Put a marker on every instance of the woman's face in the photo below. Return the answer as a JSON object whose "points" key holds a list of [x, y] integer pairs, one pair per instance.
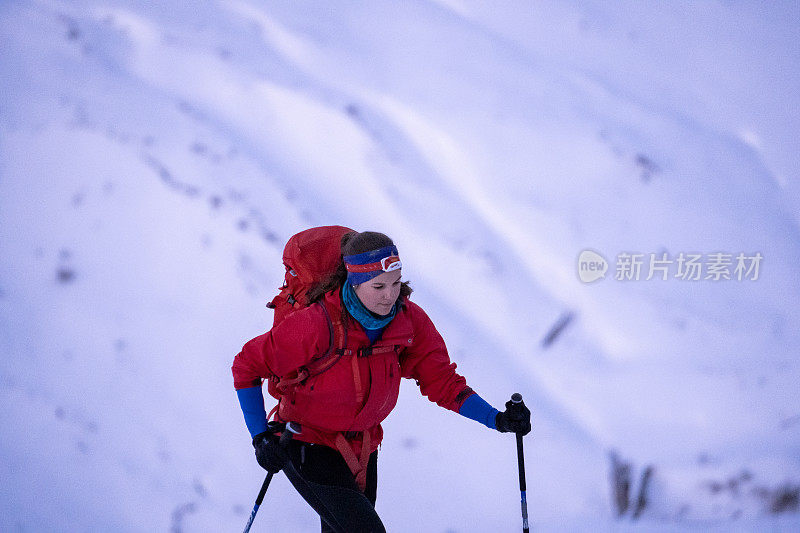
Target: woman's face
{"points": [[379, 294]]}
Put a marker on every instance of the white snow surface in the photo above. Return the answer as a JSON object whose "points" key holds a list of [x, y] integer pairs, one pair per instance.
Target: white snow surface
{"points": [[155, 157]]}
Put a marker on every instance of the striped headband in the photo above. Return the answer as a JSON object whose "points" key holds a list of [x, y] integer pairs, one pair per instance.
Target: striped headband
{"points": [[365, 266]]}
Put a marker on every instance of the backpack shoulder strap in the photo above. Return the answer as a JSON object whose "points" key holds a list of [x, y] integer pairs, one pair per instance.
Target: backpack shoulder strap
{"points": [[335, 349], [323, 362]]}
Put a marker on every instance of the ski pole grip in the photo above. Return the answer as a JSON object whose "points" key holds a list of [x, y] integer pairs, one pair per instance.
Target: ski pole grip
{"points": [[292, 428]]}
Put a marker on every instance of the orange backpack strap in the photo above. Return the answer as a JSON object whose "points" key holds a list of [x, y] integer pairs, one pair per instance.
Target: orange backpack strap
{"points": [[366, 351], [274, 410], [357, 381], [358, 466]]}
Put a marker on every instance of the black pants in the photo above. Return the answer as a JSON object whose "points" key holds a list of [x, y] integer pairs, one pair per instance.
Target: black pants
{"points": [[324, 480]]}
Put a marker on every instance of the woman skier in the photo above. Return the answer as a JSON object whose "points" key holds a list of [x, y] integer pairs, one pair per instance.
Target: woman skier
{"points": [[370, 335]]}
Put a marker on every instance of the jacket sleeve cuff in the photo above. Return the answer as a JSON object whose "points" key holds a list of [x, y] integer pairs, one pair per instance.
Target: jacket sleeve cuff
{"points": [[251, 401], [476, 408]]}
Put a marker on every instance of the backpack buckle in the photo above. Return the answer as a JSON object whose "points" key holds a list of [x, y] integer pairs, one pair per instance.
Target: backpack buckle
{"points": [[364, 351]]}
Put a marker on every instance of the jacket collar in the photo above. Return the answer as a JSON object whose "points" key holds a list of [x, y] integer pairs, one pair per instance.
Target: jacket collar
{"points": [[399, 328]]}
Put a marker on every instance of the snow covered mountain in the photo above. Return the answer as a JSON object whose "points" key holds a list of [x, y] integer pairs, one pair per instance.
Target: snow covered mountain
{"points": [[155, 157]]}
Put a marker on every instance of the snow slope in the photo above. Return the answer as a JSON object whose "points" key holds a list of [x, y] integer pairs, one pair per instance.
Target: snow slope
{"points": [[155, 158]]}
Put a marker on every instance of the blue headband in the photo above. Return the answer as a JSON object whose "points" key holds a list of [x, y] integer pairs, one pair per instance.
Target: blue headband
{"points": [[365, 266]]}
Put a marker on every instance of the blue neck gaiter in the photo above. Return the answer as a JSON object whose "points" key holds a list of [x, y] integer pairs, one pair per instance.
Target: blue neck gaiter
{"points": [[366, 318]]}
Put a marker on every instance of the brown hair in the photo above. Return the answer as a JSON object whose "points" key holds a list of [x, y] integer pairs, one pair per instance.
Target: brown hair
{"points": [[353, 243]]}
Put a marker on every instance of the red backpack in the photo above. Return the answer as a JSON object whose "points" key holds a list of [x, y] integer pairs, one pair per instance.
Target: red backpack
{"points": [[309, 257]]}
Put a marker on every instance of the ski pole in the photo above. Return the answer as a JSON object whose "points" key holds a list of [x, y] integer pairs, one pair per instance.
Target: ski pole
{"points": [[516, 399], [291, 429]]}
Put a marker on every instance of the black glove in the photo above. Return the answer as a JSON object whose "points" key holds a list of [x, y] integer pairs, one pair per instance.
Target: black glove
{"points": [[269, 453], [515, 419]]}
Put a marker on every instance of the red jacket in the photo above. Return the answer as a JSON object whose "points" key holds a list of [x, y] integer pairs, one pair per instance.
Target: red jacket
{"points": [[357, 393]]}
